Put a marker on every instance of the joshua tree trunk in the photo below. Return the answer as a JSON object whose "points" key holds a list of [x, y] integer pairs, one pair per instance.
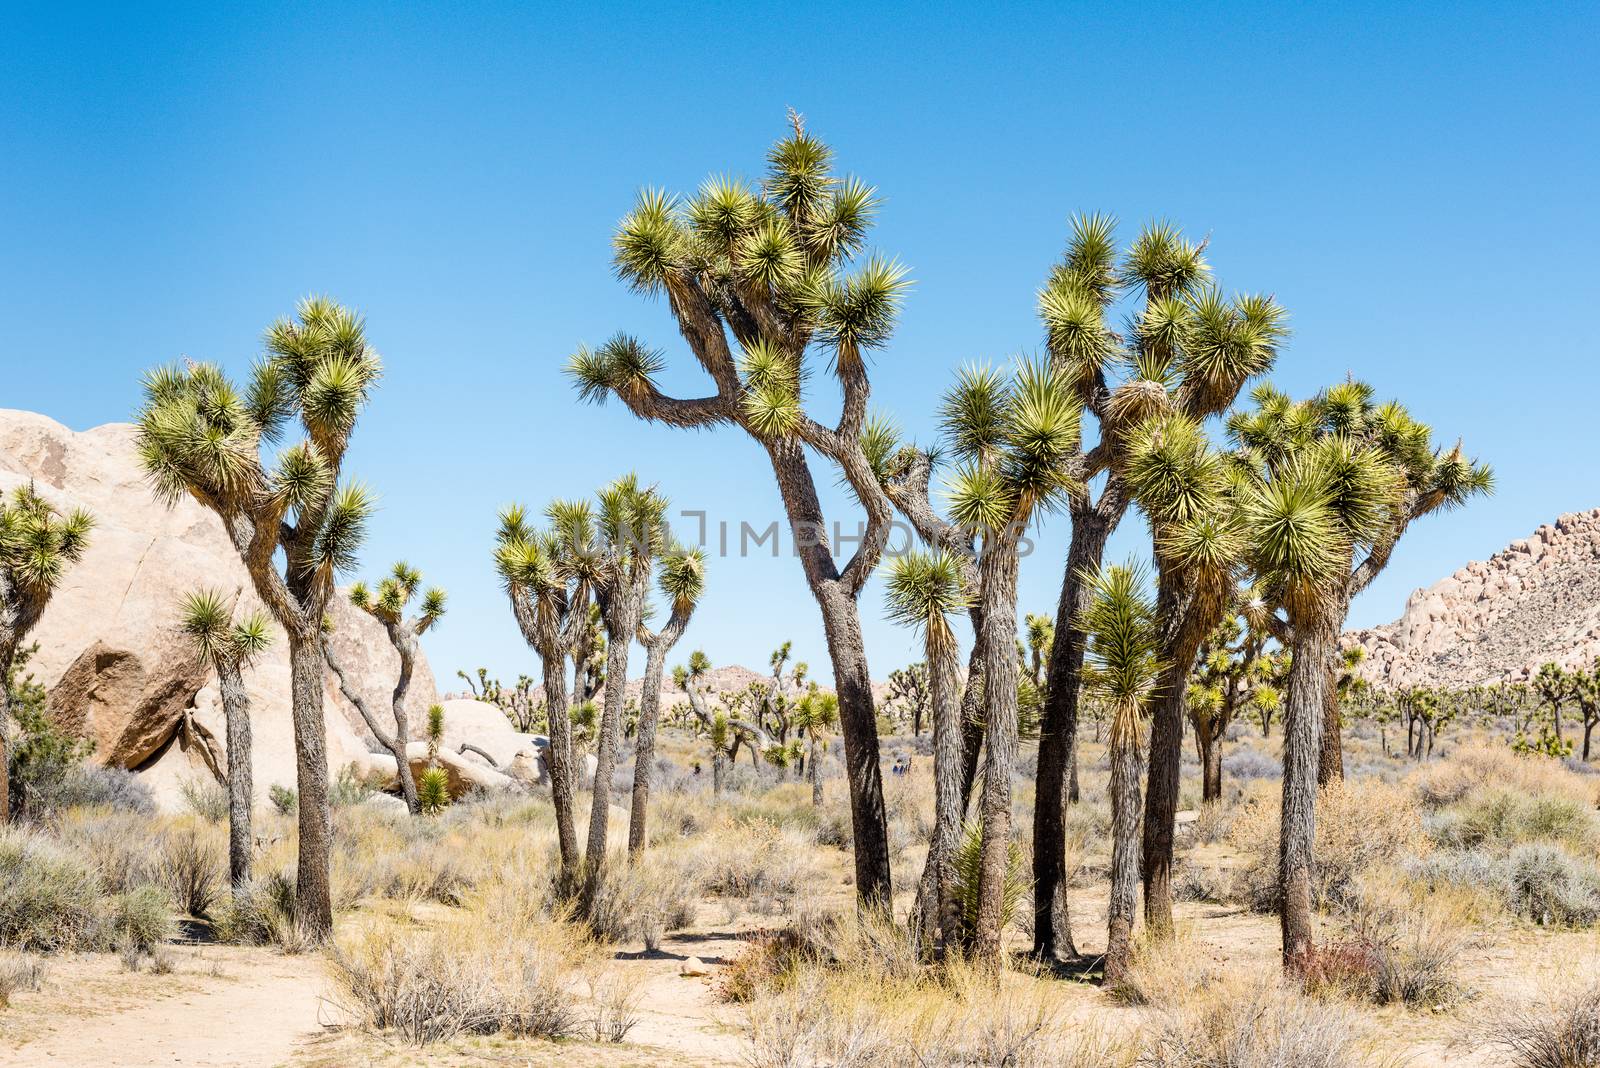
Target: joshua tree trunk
{"points": [[1302, 722], [998, 568], [644, 759], [236, 710], [8, 653], [972, 724], [937, 916], [395, 741], [622, 622], [562, 773], [313, 897], [719, 771], [1330, 754], [814, 770], [1057, 782], [1210, 763], [1124, 855]]}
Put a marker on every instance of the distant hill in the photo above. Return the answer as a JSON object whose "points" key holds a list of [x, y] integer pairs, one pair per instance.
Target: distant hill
{"points": [[1497, 620]]}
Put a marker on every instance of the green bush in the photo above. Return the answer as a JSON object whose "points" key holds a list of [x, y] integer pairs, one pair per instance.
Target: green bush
{"points": [[283, 799], [191, 867], [205, 797], [140, 919], [49, 896], [1550, 886], [433, 790]]}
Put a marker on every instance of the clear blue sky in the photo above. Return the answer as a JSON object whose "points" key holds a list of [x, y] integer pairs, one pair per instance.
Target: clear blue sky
{"points": [[1415, 183]]}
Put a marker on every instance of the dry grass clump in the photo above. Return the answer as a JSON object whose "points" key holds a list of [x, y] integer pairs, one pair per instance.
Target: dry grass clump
{"points": [[758, 860], [1359, 823], [1213, 821], [640, 901], [1560, 1032], [191, 864], [19, 973], [1482, 765], [474, 975], [1261, 1024], [1165, 972]]}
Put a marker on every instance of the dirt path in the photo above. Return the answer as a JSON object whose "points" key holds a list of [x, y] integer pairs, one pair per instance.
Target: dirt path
{"points": [[681, 1013], [220, 1007]]}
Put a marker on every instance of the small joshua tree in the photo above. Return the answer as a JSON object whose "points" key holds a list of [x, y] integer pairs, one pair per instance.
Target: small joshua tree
{"points": [[388, 606], [199, 436], [1123, 670], [37, 545], [815, 715], [681, 581], [229, 647], [689, 678], [433, 790]]}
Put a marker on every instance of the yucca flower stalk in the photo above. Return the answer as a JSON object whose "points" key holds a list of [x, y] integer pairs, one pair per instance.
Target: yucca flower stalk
{"points": [[388, 604], [229, 646], [200, 436], [768, 285], [37, 545], [681, 580], [1123, 670], [1186, 350], [1013, 435], [923, 590], [549, 582]]}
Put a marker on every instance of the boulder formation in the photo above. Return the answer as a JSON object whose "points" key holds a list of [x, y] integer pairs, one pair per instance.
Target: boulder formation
{"points": [[116, 667], [1497, 620]]}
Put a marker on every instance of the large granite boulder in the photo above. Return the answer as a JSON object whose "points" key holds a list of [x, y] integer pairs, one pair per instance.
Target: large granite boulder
{"points": [[117, 670]]}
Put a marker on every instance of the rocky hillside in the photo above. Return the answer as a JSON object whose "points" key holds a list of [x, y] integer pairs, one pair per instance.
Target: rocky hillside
{"points": [[1497, 620]]}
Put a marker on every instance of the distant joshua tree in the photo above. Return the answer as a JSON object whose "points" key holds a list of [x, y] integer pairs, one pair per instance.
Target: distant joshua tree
{"points": [[229, 647], [388, 606], [37, 545], [815, 715], [198, 436]]}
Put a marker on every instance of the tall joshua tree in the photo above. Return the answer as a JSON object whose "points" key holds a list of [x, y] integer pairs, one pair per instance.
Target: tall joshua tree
{"points": [[1429, 479], [548, 576], [229, 647], [1186, 350], [1013, 437], [200, 436], [923, 590], [388, 606], [681, 581], [37, 545], [762, 284], [1124, 671]]}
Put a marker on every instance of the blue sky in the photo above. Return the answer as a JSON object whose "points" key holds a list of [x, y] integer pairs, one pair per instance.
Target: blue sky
{"points": [[1415, 183]]}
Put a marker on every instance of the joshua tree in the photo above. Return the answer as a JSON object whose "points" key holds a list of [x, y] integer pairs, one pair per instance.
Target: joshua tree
{"points": [[909, 687], [549, 581], [388, 606], [770, 266], [1123, 671], [229, 647], [1555, 688], [1232, 671], [1426, 479], [923, 590], [1586, 693], [1013, 437], [198, 436], [1041, 635], [1187, 351], [815, 714], [37, 545], [681, 581]]}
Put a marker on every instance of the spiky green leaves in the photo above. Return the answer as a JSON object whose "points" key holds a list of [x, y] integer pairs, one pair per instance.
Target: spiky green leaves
{"points": [[206, 617], [622, 365], [343, 529], [37, 543], [858, 312], [1122, 660], [328, 368], [797, 175], [650, 242], [922, 590], [1299, 547], [1017, 435], [682, 578], [396, 591], [1163, 262], [433, 791], [771, 400]]}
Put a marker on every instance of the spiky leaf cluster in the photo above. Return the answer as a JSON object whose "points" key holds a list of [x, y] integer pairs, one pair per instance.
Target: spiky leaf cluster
{"points": [[922, 590], [394, 594], [1122, 662], [206, 618], [38, 544]]}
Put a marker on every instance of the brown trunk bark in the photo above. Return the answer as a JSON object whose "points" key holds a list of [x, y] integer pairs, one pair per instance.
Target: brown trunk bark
{"points": [[1124, 855], [645, 756], [313, 894], [1330, 754], [236, 711], [1302, 723], [998, 571], [8, 652], [1057, 783], [814, 769], [622, 621], [1210, 764], [562, 774], [937, 916]]}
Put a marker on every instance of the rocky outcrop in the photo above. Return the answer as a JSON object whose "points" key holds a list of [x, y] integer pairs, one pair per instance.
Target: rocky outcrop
{"points": [[117, 670], [1497, 620]]}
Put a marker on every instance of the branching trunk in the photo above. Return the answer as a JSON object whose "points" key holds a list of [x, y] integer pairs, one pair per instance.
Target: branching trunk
{"points": [[936, 918], [394, 741], [621, 623], [8, 653], [562, 774], [645, 755], [236, 711]]}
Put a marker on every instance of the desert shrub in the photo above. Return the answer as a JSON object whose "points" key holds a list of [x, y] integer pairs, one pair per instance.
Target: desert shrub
{"points": [[675, 815], [191, 865], [1244, 765], [421, 871], [124, 846], [1563, 1032], [1164, 972], [283, 798], [138, 920], [19, 973], [1264, 1025], [1202, 882], [756, 860], [348, 788], [1358, 824], [1213, 821], [1550, 886], [433, 790], [642, 901], [205, 797], [260, 913], [1501, 818], [49, 895], [87, 785], [616, 1007]]}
